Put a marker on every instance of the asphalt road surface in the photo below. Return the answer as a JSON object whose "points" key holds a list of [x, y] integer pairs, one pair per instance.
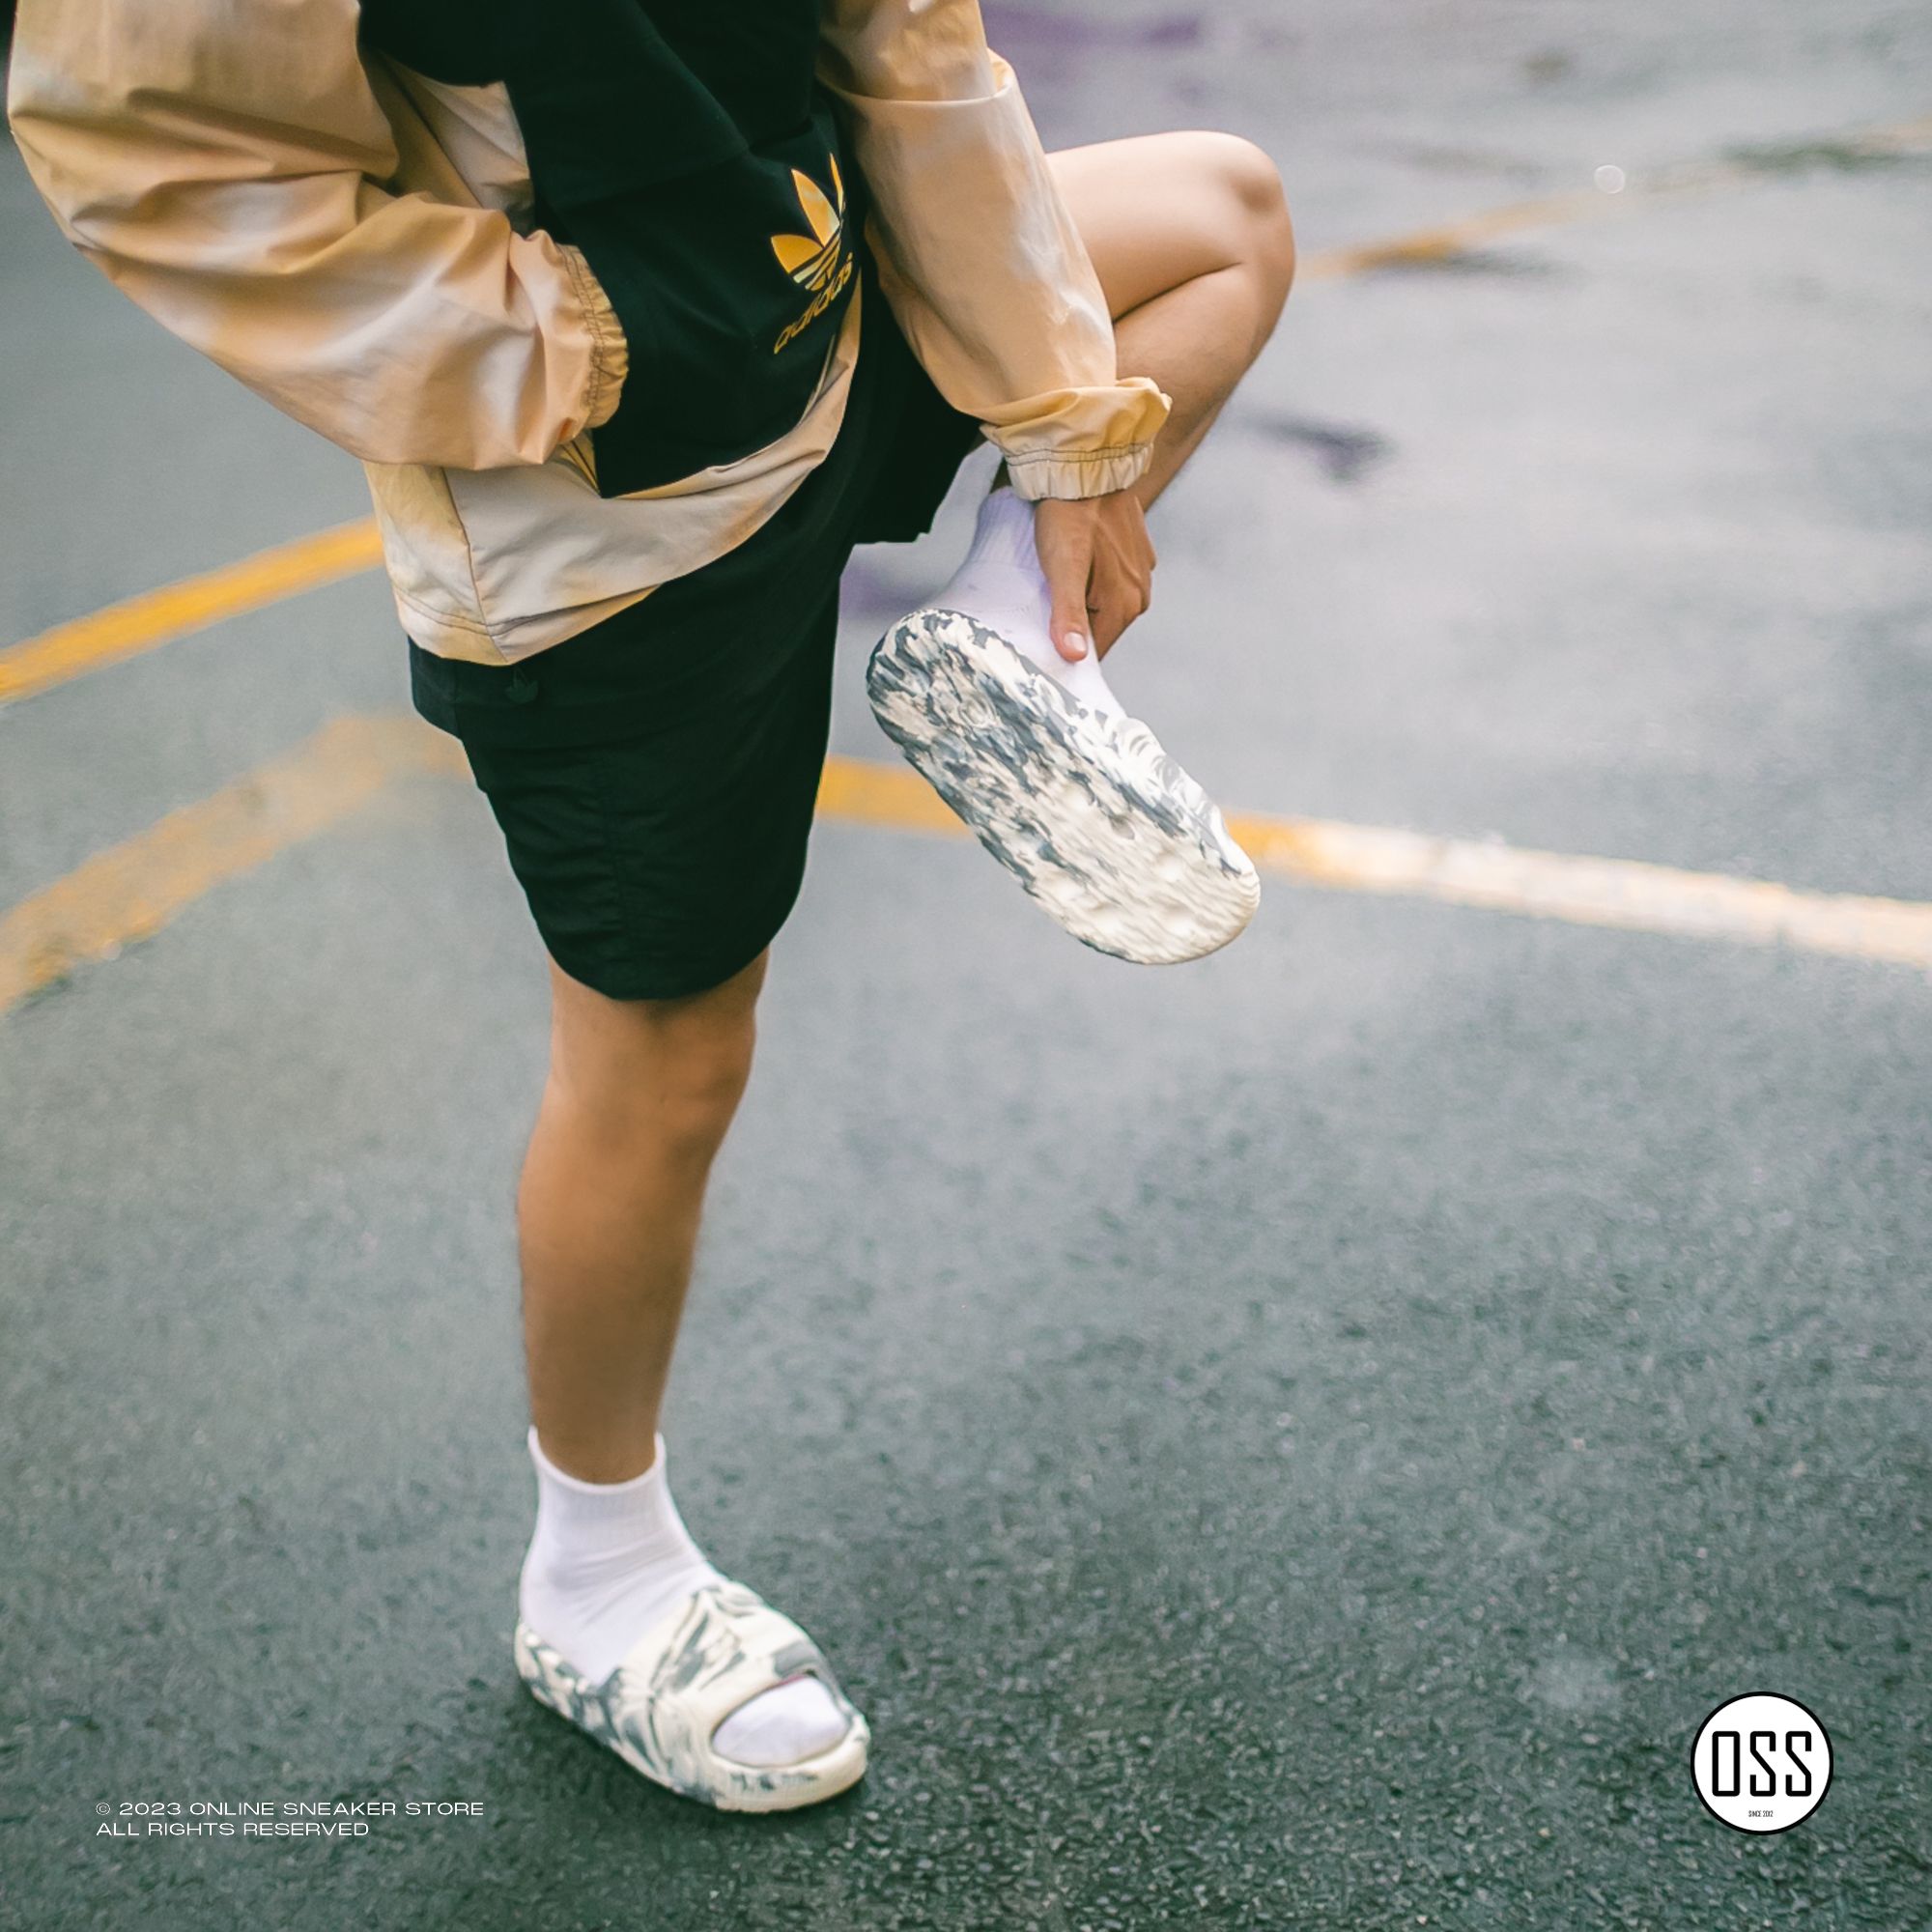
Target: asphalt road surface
{"points": [[1296, 1441]]}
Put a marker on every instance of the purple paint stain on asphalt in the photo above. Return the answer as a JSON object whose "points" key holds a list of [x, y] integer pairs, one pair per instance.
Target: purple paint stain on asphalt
{"points": [[1345, 453], [1056, 51], [1180, 32]]}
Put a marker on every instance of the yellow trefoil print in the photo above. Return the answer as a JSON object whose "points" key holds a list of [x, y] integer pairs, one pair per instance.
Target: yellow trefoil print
{"points": [[810, 259]]}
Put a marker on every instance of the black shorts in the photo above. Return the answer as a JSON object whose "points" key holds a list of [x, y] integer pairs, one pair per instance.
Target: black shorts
{"points": [[655, 776]]}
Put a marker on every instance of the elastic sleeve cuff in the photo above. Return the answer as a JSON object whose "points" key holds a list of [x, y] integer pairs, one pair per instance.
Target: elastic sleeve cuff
{"points": [[1095, 473], [1079, 442], [609, 352]]}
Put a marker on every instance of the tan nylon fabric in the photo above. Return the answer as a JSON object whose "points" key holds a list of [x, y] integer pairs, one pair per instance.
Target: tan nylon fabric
{"points": [[353, 243]]}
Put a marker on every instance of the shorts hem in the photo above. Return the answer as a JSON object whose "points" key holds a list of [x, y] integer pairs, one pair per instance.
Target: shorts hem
{"points": [[624, 983]]}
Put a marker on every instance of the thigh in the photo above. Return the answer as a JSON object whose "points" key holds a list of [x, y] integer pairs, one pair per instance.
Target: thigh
{"points": [[1159, 209], [615, 1053], [661, 861]]}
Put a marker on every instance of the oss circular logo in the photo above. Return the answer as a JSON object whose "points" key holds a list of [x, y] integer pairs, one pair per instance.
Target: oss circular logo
{"points": [[1761, 1763]]}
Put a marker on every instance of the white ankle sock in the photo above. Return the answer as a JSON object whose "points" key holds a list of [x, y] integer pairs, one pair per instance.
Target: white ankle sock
{"points": [[608, 1560], [1001, 583]]}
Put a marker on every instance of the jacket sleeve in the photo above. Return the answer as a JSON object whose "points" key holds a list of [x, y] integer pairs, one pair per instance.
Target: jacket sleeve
{"points": [[223, 164], [977, 255]]}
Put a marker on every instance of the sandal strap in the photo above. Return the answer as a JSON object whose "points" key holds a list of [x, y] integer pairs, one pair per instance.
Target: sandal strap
{"points": [[721, 1647]]}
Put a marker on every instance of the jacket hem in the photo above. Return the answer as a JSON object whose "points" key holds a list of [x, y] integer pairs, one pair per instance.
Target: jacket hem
{"points": [[610, 350]]}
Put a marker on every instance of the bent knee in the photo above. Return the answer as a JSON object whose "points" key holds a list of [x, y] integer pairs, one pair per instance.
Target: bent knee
{"points": [[1248, 172], [1253, 184], [1243, 188]]}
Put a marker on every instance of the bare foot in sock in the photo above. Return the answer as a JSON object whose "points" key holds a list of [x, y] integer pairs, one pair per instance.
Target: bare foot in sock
{"points": [[606, 1561], [1002, 586]]}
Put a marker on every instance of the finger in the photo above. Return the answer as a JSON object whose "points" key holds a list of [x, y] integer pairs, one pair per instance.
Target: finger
{"points": [[1067, 561], [1110, 620]]}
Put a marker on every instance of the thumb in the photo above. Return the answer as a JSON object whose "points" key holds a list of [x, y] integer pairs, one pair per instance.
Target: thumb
{"points": [[1064, 539]]}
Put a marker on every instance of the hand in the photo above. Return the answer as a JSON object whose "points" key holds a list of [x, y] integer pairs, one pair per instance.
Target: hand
{"points": [[1099, 560]]}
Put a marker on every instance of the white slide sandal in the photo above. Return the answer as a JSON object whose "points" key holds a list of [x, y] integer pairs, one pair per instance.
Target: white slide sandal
{"points": [[661, 1707], [1093, 817]]}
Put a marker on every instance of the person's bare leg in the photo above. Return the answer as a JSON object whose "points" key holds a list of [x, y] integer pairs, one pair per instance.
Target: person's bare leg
{"points": [[1191, 239], [640, 1095]]}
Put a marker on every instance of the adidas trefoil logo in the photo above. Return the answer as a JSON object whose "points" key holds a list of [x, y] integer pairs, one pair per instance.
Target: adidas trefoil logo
{"points": [[820, 261], [807, 259]]}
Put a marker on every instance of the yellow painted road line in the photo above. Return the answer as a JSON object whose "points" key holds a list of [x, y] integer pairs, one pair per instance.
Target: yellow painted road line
{"points": [[132, 890], [892, 796], [1587, 891], [1473, 872], [1444, 240], [1447, 239], [154, 617]]}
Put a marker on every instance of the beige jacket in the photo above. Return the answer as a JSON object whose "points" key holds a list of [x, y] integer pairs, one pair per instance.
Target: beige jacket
{"points": [[353, 243]]}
